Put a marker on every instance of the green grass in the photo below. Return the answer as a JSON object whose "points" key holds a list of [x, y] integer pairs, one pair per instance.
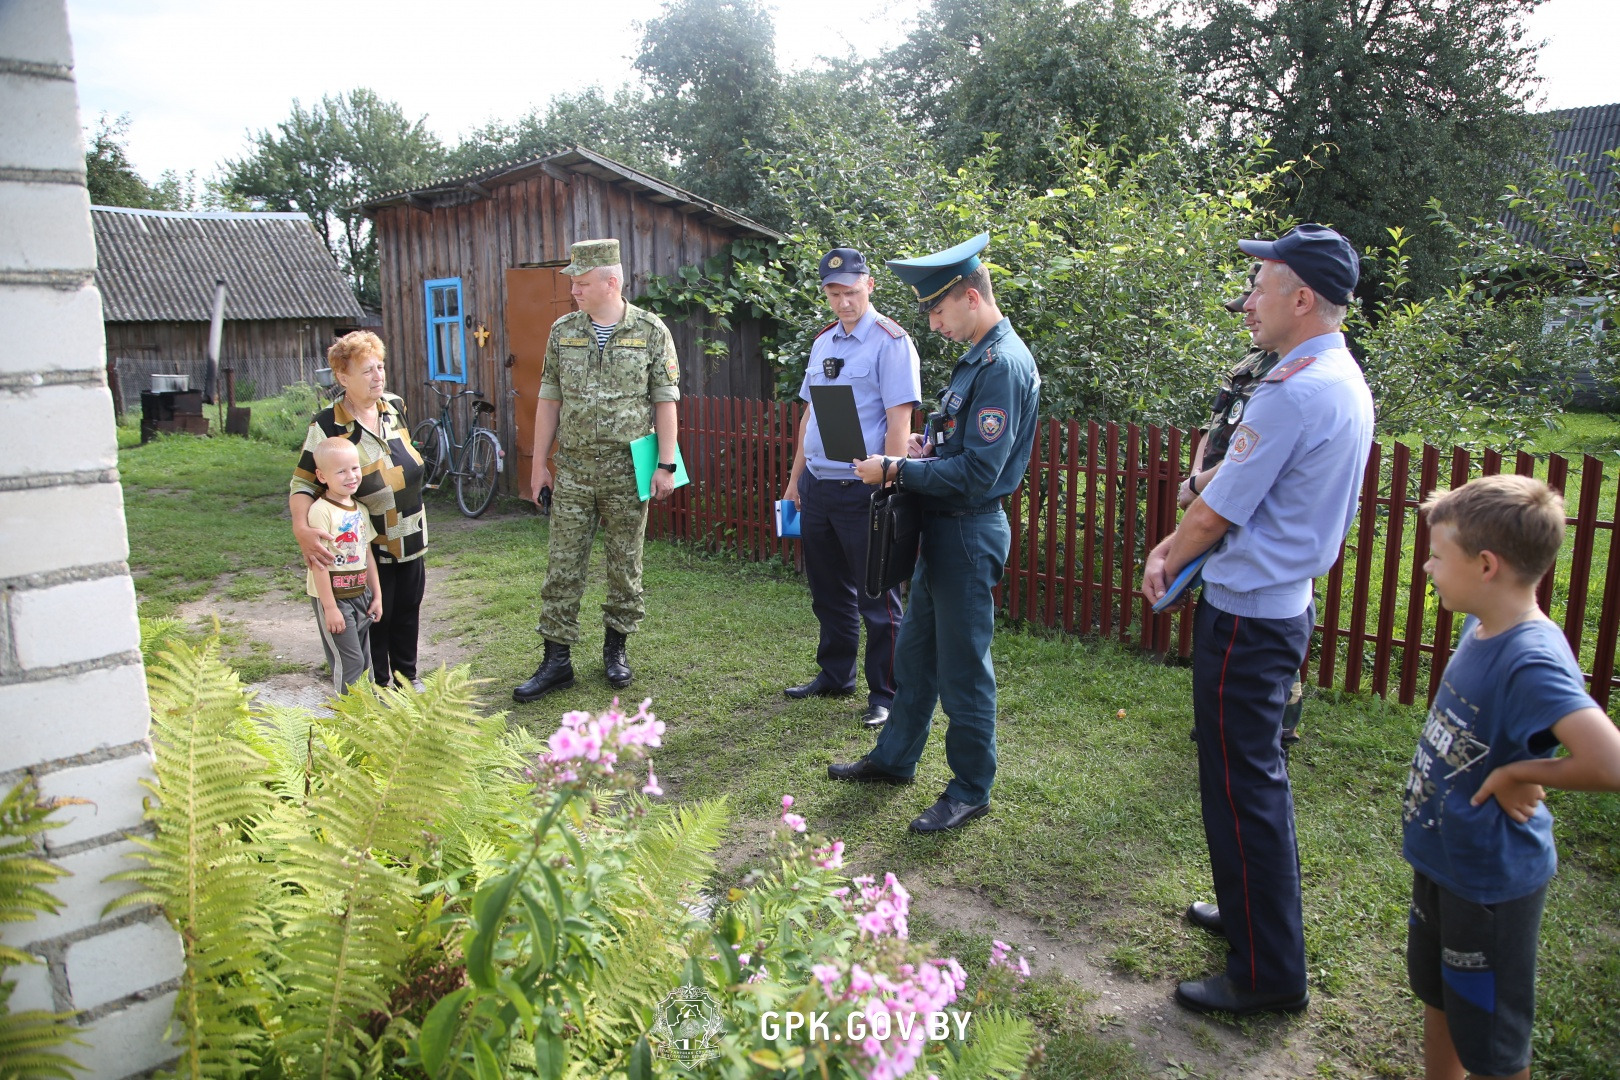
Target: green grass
{"points": [[1096, 821]]}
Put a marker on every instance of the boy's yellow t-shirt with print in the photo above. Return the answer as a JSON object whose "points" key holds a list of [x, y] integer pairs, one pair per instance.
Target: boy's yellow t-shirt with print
{"points": [[352, 527]]}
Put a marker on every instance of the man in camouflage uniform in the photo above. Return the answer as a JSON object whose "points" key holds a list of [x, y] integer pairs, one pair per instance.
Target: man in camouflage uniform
{"points": [[610, 368], [1237, 386]]}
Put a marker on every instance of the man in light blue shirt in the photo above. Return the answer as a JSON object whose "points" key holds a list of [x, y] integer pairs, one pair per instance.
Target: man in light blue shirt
{"points": [[1276, 514], [870, 353]]}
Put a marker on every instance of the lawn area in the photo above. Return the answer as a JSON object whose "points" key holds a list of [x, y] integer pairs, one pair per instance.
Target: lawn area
{"points": [[1095, 832]]}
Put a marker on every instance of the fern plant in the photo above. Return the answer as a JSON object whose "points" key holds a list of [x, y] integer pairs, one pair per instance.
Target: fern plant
{"points": [[28, 1039], [200, 865]]}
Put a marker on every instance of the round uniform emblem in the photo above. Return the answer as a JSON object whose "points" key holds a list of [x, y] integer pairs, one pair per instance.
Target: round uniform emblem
{"points": [[1237, 412], [835, 262]]}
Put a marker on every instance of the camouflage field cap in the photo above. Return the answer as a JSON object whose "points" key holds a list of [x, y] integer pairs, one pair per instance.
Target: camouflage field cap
{"points": [[591, 254]]}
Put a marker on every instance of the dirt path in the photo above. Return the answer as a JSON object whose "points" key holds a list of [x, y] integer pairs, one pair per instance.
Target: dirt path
{"points": [[1170, 1041]]}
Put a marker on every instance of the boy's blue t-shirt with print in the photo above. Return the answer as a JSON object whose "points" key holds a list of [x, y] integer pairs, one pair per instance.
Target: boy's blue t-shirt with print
{"points": [[1498, 701]]}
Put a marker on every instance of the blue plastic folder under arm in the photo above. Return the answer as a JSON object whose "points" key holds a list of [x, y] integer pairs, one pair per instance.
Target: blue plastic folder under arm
{"points": [[1190, 575], [644, 454], [787, 518]]}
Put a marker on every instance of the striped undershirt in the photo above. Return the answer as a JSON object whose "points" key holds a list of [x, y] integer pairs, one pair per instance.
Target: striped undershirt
{"points": [[602, 333]]}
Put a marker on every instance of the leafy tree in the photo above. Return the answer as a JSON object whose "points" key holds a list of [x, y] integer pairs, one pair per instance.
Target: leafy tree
{"points": [[328, 159], [715, 95], [1027, 69], [616, 126], [113, 181], [1413, 99]]}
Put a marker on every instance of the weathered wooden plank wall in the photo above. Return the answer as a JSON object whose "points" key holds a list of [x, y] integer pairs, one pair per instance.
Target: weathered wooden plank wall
{"points": [[535, 220], [187, 342]]}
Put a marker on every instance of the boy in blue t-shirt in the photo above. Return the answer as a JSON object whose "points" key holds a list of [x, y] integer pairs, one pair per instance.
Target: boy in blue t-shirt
{"points": [[1476, 831]]}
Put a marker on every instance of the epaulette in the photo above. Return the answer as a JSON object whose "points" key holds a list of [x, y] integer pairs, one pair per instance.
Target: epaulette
{"points": [[1284, 372], [890, 327], [990, 355], [826, 328]]}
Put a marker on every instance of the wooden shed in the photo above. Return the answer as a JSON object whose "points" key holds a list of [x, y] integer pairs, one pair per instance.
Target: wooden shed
{"points": [[284, 295], [471, 282]]}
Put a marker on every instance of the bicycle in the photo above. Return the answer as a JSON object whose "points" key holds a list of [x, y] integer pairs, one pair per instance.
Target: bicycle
{"points": [[476, 462]]}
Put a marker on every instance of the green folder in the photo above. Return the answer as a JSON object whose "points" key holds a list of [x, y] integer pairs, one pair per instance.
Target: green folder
{"points": [[644, 453]]}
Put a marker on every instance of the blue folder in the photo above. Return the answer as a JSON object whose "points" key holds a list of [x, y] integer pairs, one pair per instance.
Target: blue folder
{"points": [[787, 518], [1190, 575]]}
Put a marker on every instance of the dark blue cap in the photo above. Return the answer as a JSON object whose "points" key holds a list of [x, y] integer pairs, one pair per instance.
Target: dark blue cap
{"points": [[931, 275], [843, 266], [1322, 258]]}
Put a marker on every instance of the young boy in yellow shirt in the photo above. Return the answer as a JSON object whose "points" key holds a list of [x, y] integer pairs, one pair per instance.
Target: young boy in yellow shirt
{"points": [[347, 598]]}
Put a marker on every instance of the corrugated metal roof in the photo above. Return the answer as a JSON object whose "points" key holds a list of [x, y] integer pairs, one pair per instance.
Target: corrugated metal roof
{"points": [[155, 265], [474, 185], [1578, 137]]}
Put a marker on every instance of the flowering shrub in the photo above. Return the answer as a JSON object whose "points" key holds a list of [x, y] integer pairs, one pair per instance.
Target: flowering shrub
{"points": [[581, 927]]}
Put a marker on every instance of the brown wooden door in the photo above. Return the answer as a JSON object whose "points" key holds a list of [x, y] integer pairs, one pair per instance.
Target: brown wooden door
{"points": [[535, 298]]}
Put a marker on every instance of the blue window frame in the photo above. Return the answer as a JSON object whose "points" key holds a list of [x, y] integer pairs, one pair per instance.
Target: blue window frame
{"points": [[446, 331]]}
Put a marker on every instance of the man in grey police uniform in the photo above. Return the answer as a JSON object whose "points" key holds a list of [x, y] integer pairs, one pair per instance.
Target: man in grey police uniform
{"points": [[1279, 508], [872, 355], [981, 435], [1226, 413]]}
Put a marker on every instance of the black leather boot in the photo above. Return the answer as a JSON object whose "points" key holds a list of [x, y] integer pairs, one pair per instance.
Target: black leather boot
{"points": [[616, 659], [556, 672]]}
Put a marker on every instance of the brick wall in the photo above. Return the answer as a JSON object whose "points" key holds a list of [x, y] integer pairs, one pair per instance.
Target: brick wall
{"points": [[73, 708]]}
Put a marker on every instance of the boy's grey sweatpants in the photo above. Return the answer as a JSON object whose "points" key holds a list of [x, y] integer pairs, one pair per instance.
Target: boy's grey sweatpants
{"points": [[349, 653]]}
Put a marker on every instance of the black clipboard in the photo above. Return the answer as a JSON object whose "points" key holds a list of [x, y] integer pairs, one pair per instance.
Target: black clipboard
{"points": [[838, 422]]}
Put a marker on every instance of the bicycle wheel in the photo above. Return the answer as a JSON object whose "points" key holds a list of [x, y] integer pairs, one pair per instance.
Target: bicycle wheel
{"points": [[480, 471], [433, 445]]}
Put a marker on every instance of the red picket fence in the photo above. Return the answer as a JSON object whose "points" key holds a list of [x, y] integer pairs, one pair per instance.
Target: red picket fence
{"points": [[1099, 496]]}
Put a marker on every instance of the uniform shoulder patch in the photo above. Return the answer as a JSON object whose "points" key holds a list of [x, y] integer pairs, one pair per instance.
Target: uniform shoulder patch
{"points": [[1284, 372], [992, 424], [1244, 440], [826, 328], [890, 327]]}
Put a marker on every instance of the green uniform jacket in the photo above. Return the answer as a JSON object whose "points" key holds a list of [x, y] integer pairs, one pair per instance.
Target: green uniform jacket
{"points": [[607, 395]]}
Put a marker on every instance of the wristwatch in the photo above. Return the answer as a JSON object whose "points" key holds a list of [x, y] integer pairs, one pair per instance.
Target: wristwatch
{"points": [[670, 465]]}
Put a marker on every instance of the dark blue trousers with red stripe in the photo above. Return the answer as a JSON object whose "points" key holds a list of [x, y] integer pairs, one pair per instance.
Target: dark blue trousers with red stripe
{"points": [[1243, 670], [834, 517]]}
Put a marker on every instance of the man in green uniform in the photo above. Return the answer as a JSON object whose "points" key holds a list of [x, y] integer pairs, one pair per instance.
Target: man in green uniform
{"points": [[610, 374]]}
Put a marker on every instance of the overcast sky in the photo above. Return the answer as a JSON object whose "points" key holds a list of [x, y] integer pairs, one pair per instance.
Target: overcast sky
{"points": [[196, 76]]}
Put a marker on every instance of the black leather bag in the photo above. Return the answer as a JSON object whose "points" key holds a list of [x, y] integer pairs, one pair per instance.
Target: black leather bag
{"points": [[893, 537]]}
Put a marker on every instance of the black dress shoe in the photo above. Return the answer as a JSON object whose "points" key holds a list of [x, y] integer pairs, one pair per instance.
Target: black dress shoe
{"points": [[1217, 994], [864, 769], [875, 715], [816, 688], [947, 813], [1206, 915]]}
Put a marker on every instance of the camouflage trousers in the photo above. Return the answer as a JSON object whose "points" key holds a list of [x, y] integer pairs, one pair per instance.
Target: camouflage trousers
{"points": [[585, 492]]}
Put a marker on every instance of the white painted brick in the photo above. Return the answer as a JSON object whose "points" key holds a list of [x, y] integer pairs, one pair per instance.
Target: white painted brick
{"points": [[67, 624], [33, 988], [113, 793], [54, 528], [127, 1042], [52, 329], [58, 718], [45, 227], [35, 32], [81, 425], [116, 964], [39, 125], [84, 895]]}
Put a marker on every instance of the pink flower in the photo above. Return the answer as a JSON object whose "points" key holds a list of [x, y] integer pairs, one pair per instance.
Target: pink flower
{"points": [[787, 802], [565, 744], [651, 787], [859, 981], [830, 857], [794, 822], [828, 976], [1023, 967]]}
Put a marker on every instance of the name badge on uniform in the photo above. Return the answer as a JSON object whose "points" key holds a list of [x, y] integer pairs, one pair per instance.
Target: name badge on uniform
{"points": [[575, 341], [632, 342], [831, 366], [951, 401]]}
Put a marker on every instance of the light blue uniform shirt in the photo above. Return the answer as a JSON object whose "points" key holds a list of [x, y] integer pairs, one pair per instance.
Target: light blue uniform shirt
{"points": [[881, 363], [1291, 481]]}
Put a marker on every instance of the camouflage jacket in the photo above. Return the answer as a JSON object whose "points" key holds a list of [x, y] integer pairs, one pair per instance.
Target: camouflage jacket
{"points": [[1237, 386], [607, 395]]}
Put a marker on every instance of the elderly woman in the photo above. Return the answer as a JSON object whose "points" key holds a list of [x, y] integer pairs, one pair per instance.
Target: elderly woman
{"points": [[390, 491]]}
